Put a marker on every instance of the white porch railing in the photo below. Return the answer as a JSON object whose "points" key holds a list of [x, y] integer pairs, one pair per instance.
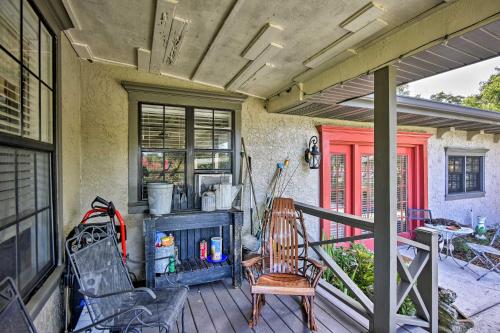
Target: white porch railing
{"points": [[418, 279]]}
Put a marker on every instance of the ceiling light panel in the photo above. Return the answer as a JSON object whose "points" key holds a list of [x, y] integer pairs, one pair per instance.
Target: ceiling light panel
{"points": [[362, 17], [265, 36]]}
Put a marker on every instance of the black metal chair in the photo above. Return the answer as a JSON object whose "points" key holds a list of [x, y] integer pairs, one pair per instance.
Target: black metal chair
{"points": [[112, 301], [417, 214], [13, 315]]}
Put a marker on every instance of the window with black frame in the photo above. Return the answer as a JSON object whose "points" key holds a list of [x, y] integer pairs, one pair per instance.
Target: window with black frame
{"points": [[26, 145], [465, 174], [171, 138]]}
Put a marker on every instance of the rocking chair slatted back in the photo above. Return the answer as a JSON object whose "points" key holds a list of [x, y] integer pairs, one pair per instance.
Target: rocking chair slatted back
{"points": [[281, 228]]}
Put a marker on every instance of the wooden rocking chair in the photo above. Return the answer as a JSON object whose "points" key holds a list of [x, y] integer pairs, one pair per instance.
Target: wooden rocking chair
{"points": [[281, 269]]}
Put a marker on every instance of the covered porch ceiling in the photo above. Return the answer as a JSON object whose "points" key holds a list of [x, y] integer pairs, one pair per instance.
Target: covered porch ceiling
{"points": [[295, 54]]}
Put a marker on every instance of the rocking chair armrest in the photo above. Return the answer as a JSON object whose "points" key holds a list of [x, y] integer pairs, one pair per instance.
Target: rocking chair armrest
{"points": [[253, 269], [316, 263], [141, 289], [251, 262], [316, 270]]}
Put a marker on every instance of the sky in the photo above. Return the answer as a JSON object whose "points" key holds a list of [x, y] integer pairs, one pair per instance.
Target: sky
{"points": [[462, 81]]}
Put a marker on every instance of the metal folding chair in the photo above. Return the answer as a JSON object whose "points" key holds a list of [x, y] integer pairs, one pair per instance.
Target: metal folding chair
{"points": [[112, 301], [480, 253], [13, 315]]}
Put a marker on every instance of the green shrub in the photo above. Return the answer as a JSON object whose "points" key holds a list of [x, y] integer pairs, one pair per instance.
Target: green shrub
{"points": [[358, 263]]}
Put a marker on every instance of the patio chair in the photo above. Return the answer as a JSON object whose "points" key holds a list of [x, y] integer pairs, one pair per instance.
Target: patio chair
{"points": [[13, 315], [417, 214], [281, 269], [481, 252], [112, 301]]}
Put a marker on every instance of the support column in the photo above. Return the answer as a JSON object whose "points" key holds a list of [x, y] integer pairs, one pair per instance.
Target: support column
{"points": [[385, 200]]}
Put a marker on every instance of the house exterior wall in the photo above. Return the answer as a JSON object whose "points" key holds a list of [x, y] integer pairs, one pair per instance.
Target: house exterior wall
{"points": [[459, 210], [50, 318]]}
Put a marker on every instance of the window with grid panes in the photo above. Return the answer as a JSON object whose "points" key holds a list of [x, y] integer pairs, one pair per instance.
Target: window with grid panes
{"points": [[26, 145], [465, 174], [172, 137]]}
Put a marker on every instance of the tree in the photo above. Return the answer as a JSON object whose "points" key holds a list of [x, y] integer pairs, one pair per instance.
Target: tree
{"points": [[403, 90], [489, 94], [447, 98]]}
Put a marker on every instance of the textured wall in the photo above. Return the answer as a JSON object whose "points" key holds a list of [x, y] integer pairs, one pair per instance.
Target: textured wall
{"points": [[272, 137], [458, 210], [71, 135], [50, 318]]}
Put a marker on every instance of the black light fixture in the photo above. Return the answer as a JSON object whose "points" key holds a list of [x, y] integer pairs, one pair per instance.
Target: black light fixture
{"points": [[312, 154]]}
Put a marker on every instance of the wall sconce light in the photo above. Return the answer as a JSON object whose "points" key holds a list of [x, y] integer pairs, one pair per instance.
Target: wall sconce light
{"points": [[312, 155]]}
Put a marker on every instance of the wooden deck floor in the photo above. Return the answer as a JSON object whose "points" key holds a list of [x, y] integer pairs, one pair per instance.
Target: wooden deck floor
{"points": [[218, 308]]}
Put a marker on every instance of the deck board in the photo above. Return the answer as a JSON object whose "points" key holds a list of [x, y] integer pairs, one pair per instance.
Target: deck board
{"points": [[219, 308]]}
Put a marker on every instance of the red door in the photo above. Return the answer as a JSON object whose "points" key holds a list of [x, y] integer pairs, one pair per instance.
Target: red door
{"points": [[348, 179]]}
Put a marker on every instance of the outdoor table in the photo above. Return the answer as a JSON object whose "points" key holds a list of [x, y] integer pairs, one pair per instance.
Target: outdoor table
{"points": [[448, 236]]}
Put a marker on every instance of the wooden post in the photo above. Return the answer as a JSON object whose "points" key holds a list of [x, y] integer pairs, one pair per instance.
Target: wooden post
{"points": [[237, 250], [385, 125], [428, 279]]}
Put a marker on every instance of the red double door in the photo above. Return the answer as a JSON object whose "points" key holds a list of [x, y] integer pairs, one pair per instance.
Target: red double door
{"points": [[347, 177]]}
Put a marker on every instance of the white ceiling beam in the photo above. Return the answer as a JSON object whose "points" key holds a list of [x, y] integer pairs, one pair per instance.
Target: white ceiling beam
{"points": [[218, 35], [164, 15], [311, 72], [143, 58], [176, 36], [472, 134], [344, 43], [266, 36], [253, 66], [362, 17], [421, 33]]}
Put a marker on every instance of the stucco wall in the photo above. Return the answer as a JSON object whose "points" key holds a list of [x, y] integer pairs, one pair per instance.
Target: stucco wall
{"points": [[50, 318], [459, 210]]}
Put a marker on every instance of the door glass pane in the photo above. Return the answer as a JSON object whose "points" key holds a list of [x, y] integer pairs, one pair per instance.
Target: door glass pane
{"points": [[203, 118], [203, 161], [203, 139], [367, 187], [46, 121], [222, 120], [26, 181], [10, 95], [402, 191], [337, 196], [7, 185], [10, 26], [27, 250], [8, 253], [44, 238], [222, 161], [31, 107], [43, 180], [30, 38], [222, 140], [46, 56]]}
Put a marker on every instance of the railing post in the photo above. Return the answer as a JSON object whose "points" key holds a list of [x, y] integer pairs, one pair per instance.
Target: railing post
{"points": [[385, 125], [428, 279]]}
